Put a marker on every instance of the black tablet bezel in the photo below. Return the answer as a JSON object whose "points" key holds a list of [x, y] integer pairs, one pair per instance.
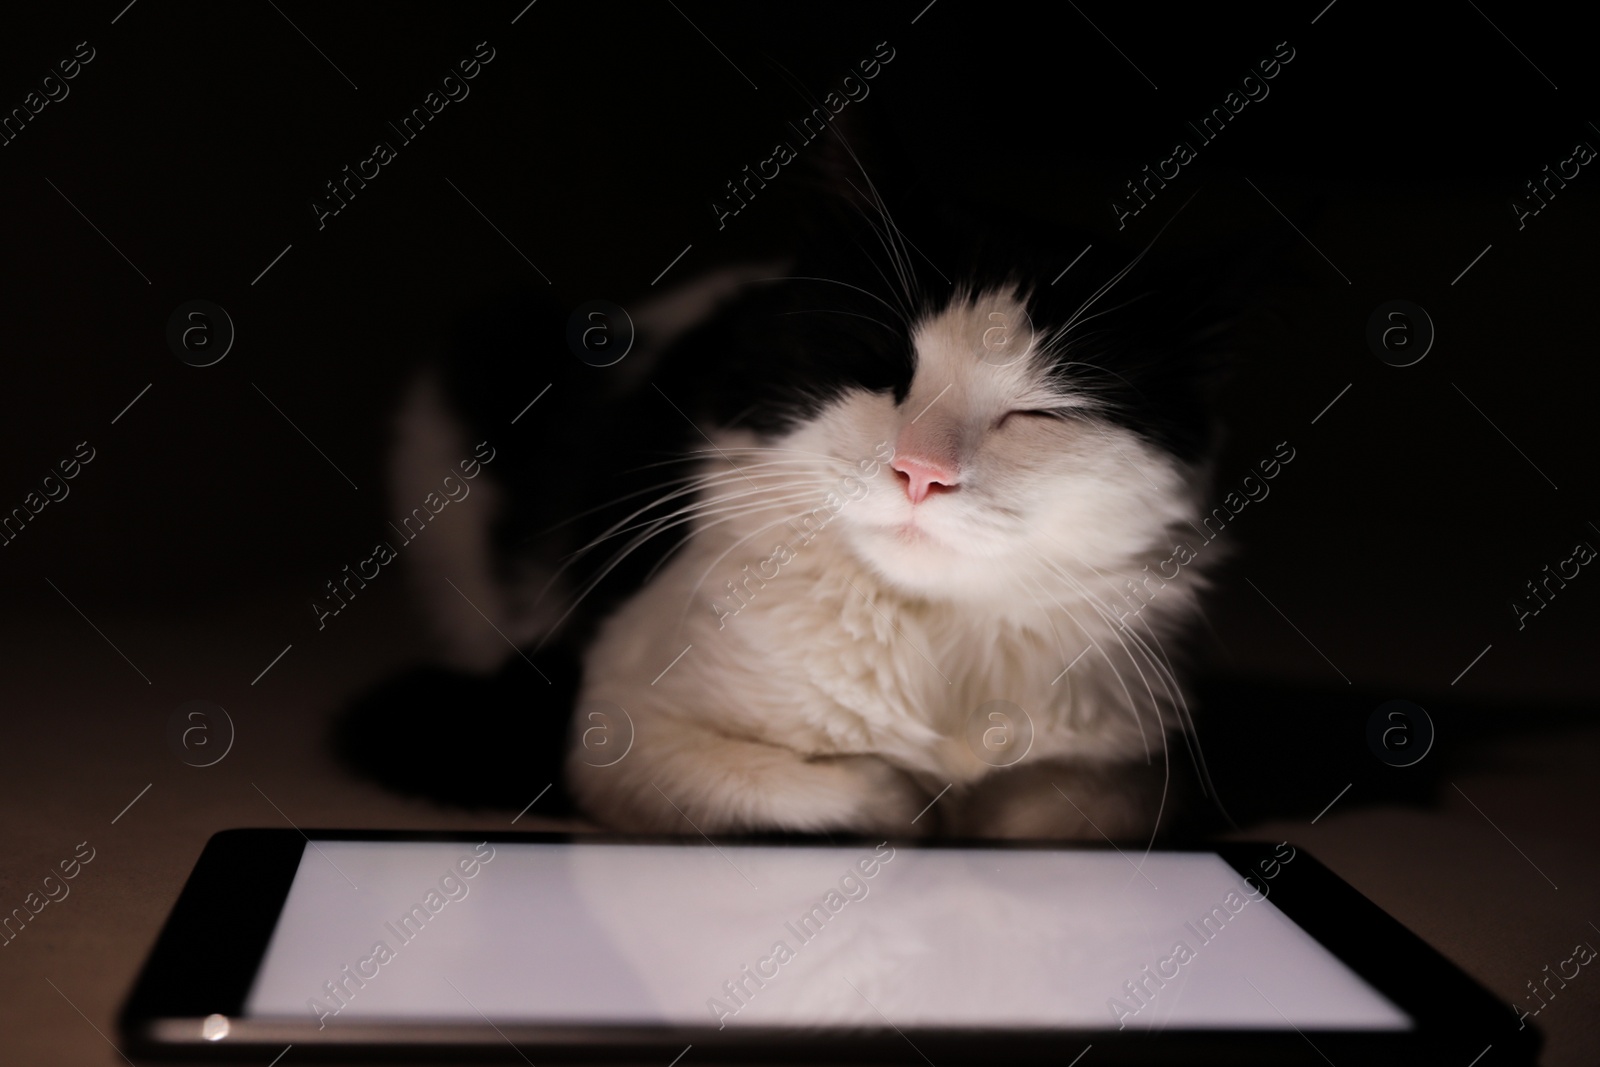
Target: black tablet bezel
{"points": [[208, 953]]}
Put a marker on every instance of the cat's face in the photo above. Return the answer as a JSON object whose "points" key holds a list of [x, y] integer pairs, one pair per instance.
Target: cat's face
{"points": [[1005, 470], [1042, 433]]}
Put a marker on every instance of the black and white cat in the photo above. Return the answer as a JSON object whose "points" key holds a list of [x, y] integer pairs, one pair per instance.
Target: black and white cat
{"points": [[879, 539]]}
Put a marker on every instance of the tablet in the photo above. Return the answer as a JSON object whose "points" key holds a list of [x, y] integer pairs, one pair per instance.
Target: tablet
{"points": [[569, 948]]}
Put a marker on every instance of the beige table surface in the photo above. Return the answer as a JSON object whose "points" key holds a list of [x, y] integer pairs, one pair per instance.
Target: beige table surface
{"points": [[84, 735]]}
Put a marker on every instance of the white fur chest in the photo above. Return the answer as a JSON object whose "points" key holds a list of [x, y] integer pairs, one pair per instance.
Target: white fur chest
{"points": [[825, 658]]}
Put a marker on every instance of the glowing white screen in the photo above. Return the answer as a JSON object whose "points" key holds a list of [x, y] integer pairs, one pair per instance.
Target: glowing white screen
{"points": [[690, 935]]}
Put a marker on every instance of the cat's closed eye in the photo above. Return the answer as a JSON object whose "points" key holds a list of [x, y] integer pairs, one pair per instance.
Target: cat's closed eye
{"points": [[1026, 414]]}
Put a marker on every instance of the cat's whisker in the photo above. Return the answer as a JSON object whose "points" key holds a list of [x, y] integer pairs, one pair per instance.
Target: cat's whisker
{"points": [[1061, 332], [569, 520], [651, 527], [661, 526], [1166, 755], [707, 573], [809, 496], [756, 450], [699, 482], [1164, 669], [691, 480], [1118, 629], [1061, 650], [847, 285], [1206, 784], [837, 311], [708, 506], [617, 528], [1133, 705], [1119, 626], [812, 461], [1101, 575], [697, 455], [1100, 370], [900, 256], [895, 261], [697, 531], [1169, 681], [698, 510], [1123, 273], [702, 529], [1185, 715], [1116, 278]]}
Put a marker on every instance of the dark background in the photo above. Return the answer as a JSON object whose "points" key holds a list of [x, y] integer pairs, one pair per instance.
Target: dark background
{"points": [[597, 138], [1395, 142]]}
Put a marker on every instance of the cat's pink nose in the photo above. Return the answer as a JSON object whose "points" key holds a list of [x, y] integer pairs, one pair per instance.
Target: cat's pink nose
{"points": [[924, 477]]}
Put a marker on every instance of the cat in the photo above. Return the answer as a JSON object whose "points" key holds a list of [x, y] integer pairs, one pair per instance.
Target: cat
{"points": [[877, 539]]}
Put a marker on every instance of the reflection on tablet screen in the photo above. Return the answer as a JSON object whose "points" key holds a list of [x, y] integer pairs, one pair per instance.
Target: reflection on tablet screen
{"points": [[755, 935]]}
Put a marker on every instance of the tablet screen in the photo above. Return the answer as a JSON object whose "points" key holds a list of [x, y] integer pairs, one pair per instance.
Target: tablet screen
{"points": [[747, 935]]}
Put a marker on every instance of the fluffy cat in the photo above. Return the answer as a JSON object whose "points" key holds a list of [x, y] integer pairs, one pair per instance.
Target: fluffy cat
{"points": [[889, 541]]}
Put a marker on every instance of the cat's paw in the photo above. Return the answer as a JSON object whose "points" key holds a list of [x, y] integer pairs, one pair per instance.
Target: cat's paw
{"points": [[1063, 801], [681, 778], [869, 795]]}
